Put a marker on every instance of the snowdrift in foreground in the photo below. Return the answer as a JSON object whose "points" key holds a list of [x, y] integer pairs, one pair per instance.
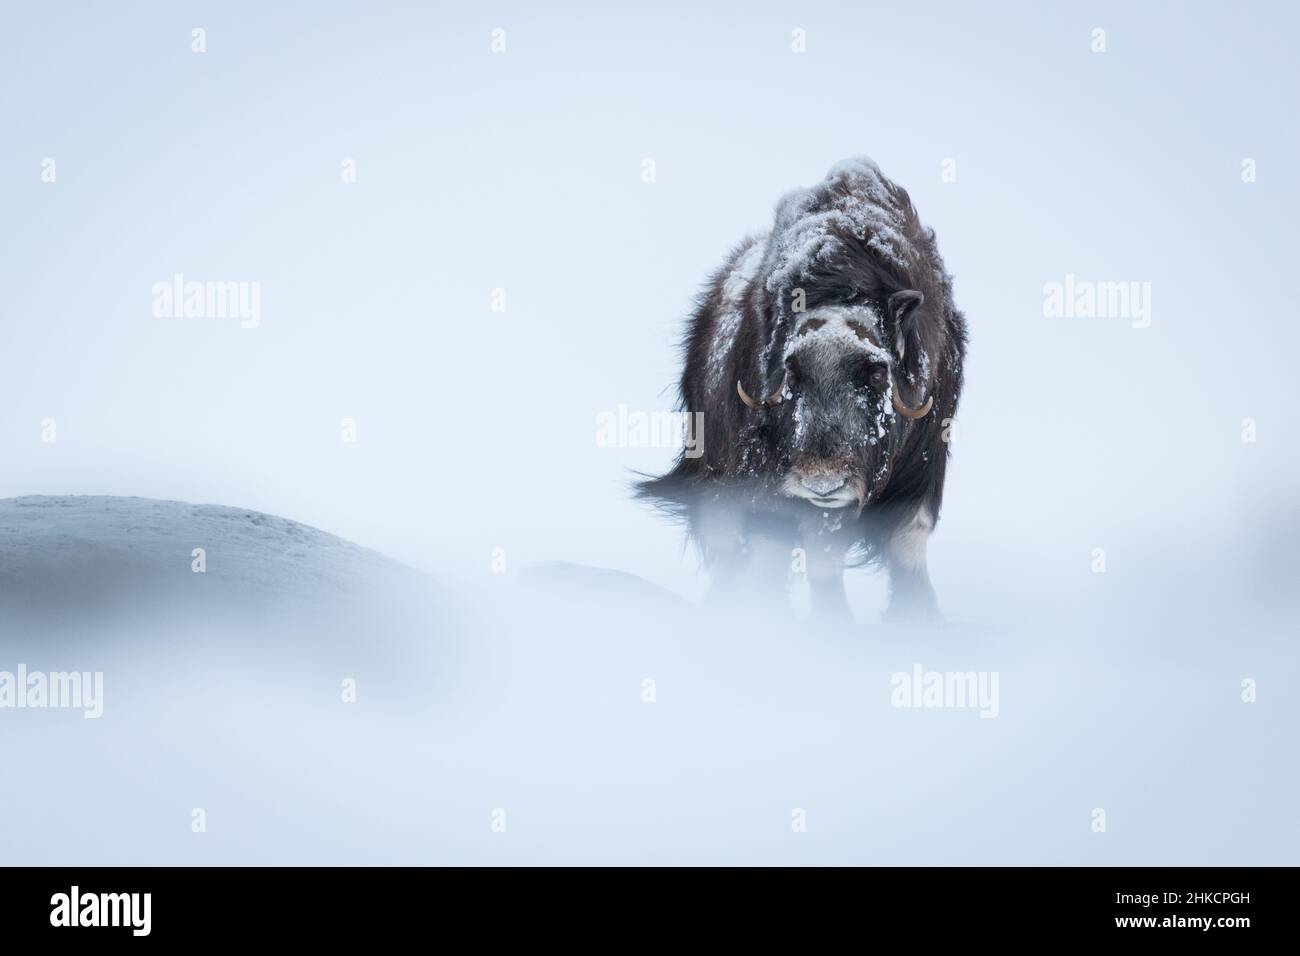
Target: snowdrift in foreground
{"points": [[87, 548], [581, 715]]}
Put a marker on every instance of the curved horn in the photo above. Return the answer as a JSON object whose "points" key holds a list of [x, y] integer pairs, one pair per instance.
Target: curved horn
{"points": [[772, 399], [913, 413], [744, 397]]}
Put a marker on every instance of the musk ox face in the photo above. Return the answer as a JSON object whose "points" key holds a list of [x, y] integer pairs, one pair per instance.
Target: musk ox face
{"points": [[831, 423], [833, 417]]}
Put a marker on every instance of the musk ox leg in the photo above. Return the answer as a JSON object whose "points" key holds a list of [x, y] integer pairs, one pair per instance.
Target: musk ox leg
{"points": [[719, 529], [770, 561], [911, 596], [825, 550], [826, 593], [748, 560]]}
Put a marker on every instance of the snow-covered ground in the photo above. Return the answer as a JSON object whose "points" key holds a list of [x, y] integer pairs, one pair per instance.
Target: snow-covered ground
{"points": [[596, 717], [61, 547]]}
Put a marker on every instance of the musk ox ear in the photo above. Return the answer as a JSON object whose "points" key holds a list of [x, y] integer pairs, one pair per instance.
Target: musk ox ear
{"points": [[902, 316]]}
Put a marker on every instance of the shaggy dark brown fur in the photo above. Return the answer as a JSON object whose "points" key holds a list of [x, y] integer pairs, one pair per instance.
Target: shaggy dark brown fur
{"points": [[850, 247]]}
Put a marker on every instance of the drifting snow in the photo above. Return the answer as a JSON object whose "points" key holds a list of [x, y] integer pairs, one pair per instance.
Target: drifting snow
{"points": [[602, 719]]}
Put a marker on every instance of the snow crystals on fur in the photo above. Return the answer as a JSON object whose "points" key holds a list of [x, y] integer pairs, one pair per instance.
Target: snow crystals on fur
{"points": [[734, 287], [861, 204]]}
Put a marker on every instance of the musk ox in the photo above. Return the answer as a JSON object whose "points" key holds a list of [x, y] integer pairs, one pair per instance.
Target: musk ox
{"points": [[826, 357]]}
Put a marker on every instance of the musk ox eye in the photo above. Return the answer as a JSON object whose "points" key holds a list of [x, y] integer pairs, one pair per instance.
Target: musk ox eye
{"points": [[870, 375]]}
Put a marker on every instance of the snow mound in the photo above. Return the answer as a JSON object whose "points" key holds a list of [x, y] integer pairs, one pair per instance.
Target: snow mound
{"points": [[88, 551]]}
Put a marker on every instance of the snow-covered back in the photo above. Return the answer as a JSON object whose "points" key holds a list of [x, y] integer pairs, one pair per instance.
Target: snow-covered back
{"points": [[861, 205]]}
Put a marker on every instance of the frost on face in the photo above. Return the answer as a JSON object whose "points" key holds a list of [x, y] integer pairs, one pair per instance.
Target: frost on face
{"points": [[800, 420], [883, 412], [832, 328], [879, 409], [829, 328]]}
